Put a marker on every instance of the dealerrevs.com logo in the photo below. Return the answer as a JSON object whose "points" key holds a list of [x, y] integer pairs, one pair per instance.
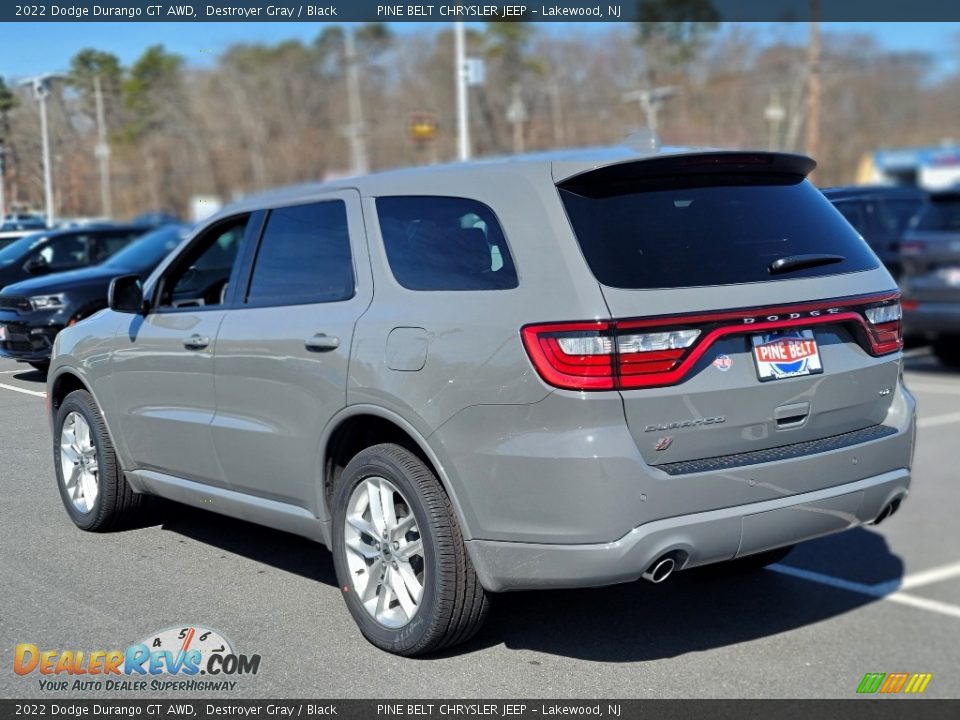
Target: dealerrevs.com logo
{"points": [[172, 659]]}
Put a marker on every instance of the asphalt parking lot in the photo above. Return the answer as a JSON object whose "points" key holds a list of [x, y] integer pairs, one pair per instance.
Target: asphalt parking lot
{"points": [[880, 599]]}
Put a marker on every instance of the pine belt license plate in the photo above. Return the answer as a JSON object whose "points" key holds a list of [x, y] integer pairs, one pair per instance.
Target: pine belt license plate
{"points": [[784, 355]]}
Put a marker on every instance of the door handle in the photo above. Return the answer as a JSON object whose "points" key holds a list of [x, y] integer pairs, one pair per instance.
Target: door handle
{"points": [[322, 343], [196, 342]]}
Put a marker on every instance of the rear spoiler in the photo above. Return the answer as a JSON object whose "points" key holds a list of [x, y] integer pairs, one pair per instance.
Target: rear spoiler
{"points": [[717, 162]]}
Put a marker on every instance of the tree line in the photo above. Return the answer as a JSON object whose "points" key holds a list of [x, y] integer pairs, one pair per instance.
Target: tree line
{"points": [[260, 115]]}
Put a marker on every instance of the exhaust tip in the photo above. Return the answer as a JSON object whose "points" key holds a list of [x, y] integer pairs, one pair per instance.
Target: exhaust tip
{"points": [[660, 570], [888, 510]]}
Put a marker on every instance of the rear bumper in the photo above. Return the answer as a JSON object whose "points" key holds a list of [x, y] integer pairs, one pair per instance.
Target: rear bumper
{"points": [[696, 539]]}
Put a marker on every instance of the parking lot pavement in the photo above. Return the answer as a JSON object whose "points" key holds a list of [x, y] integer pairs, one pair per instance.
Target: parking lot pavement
{"points": [[878, 599]]}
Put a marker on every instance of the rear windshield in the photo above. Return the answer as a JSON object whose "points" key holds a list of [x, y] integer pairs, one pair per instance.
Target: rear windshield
{"points": [[939, 215], [688, 231]]}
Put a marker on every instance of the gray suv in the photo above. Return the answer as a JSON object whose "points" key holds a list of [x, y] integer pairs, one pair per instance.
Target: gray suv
{"points": [[546, 372]]}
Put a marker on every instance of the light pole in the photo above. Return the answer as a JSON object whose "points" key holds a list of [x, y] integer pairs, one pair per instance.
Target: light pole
{"points": [[651, 100], [102, 151], [3, 195], [41, 91], [774, 114], [460, 67], [358, 147]]}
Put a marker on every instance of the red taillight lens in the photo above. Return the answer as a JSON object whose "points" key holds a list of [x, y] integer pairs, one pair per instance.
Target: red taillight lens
{"points": [[603, 356], [655, 352], [884, 328], [572, 356], [912, 247]]}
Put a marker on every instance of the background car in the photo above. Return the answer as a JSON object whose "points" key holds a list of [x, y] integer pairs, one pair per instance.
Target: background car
{"points": [[881, 214], [930, 255], [8, 237], [58, 250], [23, 221], [33, 311]]}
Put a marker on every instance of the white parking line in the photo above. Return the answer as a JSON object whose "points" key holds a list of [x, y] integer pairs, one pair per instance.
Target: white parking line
{"points": [[937, 420], [926, 577], [938, 388], [35, 393], [887, 590], [924, 604]]}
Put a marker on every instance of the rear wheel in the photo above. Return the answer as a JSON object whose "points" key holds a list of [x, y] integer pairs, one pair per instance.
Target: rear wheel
{"points": [[947, 350], [400, 557], [92, 486]]}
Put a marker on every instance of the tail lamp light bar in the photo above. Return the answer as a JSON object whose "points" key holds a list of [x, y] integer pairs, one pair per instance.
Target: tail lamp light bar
{"points": [[658, 352]]}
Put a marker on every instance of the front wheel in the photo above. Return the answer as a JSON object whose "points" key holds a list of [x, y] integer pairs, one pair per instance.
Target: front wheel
{"points": [[92, 486], [400, 557]]}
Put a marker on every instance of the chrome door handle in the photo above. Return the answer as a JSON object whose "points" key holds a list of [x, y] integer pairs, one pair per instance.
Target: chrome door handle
{"points": [[196, 342], [322, 343]]}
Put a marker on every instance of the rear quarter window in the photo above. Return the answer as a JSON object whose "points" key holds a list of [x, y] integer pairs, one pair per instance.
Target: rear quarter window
{"points": [[444, 243], [691, 231]]}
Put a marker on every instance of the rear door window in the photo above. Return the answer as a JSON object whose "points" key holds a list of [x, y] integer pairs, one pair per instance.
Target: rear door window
{"points": [[690, 231], [304, 256], [445, 243]]}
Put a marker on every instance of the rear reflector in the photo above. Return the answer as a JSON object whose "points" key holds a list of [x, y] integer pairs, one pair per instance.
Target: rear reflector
{"points": [[656, 352]]}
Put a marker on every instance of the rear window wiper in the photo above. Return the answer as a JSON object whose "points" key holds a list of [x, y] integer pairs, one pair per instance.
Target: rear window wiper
{"points": [[802, 262]]}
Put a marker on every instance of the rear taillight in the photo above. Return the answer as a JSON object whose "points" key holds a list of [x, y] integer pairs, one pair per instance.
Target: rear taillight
{"points": [[573, 356], [884, 327], [656, 352], [604, 355], [912, 247]]}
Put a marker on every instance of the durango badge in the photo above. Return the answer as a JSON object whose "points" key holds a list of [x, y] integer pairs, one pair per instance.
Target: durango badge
{"points": [[680, 425]]}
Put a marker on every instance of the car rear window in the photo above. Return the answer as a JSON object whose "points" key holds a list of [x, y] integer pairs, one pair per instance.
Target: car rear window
{"points": [[689, 231], [940, 215], [445, 243]]}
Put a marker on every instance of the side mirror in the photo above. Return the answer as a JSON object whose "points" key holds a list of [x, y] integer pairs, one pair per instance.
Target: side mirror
{"points": [[37, 265], [126, 294]]}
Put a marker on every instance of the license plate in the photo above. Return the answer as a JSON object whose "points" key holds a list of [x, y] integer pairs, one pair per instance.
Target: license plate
{"points": [[785, 355]]}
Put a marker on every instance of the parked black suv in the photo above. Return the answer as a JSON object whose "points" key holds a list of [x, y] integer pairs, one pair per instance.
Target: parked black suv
{"points": [[52, 251], [881, 214], [33, 311], [930, 253]]}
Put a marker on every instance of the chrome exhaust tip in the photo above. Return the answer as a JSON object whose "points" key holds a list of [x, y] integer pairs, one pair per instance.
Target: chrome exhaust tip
{"points": [[660, 570], [889, 509]]}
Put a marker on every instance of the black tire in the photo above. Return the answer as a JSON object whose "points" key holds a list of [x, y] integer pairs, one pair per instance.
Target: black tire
{"points": [[116, 504], [947, 350], [40, 365], [453, 605]]}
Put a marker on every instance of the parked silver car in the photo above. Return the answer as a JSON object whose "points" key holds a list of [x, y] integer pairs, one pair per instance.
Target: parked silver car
{"points": [[545, 372]]}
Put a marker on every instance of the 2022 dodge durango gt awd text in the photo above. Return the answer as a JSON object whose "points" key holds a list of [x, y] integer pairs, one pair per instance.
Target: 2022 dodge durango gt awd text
{"points": [[536, 373]]}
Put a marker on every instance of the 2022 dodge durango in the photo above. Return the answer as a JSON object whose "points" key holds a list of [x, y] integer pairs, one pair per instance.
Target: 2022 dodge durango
{"points": [[544, 372]]}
